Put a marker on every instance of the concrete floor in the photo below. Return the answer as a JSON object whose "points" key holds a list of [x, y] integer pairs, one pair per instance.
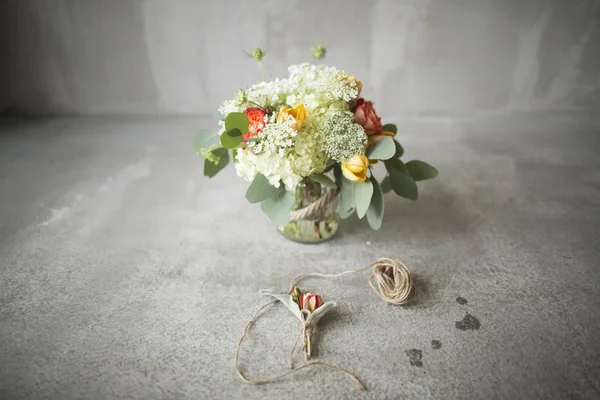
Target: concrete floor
{"points": [[126, 274]]}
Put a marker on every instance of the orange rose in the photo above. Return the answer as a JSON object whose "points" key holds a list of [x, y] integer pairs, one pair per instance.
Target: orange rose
{"points": [[256, 121], [365, 116]]}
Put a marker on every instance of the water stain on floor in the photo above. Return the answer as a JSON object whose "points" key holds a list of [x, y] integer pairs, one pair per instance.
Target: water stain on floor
{"points": [[461, 300], [469, 322], [414, 357], [436, 344]]}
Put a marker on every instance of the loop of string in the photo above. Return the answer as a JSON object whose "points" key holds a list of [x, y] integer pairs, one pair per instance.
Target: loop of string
{"points": [[394, 283], [391, 281]]}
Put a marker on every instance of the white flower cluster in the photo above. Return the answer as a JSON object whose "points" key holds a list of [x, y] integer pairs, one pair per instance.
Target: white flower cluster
{"points": [[276, 137], [281, 152]]}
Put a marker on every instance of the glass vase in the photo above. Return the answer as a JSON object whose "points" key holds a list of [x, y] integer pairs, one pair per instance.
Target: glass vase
{"points": [[318, 226]]}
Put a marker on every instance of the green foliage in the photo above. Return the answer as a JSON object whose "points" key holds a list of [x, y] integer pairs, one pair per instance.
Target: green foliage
{"points": [[278, 207], [397, 164], [258, 54], [347, 205], [383, 149], [362, 197], [260, 189], [204, 140], [221, 156], [318, 52], [402, 184], [236, 120], [420, 170], [386, 184], [375, 211], [390, 128], [287, 301], [399, 150], [323, 180], [232, 138]]}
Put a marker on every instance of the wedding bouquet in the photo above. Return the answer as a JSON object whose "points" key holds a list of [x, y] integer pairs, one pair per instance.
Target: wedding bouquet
{"points": [[311, 129]]}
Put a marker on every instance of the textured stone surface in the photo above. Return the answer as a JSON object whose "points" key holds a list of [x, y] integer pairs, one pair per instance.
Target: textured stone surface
{"points": [[415, 57], [125, 274]]}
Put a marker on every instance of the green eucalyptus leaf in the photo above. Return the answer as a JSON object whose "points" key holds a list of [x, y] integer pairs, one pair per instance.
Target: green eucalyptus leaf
{"points": [[386, 185], [403, 184], [337, 173], [236, 120], [323, 180], [232, 138], [382, 149], [347, 205], [394, 163], [210, 168], [346, 213], [375, 211], [390, 128], [287, 301], [399, 149], [260, 189], [278, 207], [204, 140], [362, 196], [420, 170]]}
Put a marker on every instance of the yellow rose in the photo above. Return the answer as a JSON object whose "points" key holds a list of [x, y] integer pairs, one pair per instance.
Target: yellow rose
{"points": [[298, 112], [355, 169]]}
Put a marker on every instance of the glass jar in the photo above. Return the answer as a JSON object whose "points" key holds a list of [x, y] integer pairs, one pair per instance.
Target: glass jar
{"points": [[318, 226]]}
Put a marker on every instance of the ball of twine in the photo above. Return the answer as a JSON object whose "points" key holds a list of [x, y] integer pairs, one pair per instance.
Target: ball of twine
{"points": [[392, 281]]}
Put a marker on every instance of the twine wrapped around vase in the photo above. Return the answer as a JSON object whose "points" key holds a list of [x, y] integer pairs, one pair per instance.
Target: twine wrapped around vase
{"points": [[314, 207]]}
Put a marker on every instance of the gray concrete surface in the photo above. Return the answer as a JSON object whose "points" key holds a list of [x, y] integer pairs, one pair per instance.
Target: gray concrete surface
{"points": [[125, 274], [415, 57]]}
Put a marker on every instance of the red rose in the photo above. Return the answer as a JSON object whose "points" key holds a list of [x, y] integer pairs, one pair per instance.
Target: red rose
{"points": [[256, 121], [365, 116]]}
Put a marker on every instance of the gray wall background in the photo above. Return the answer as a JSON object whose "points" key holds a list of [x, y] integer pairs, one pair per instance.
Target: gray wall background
{"points": [[415, 57]]}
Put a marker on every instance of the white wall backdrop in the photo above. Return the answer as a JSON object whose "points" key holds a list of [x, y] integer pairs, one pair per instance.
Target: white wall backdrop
{"points": [[415, 57]]}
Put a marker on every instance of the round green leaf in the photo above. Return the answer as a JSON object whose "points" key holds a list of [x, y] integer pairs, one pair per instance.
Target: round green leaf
{"points": [[420, 170], [232, 138], [260, 189], [383, 149], [362, 196], [236, 120], [390, 128], [375, 211]]}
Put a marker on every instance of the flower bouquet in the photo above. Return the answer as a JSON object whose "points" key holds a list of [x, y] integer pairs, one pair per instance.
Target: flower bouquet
{"points": [[307, 144]]}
